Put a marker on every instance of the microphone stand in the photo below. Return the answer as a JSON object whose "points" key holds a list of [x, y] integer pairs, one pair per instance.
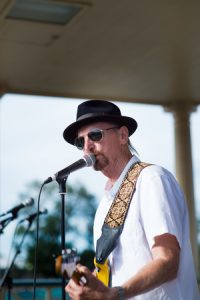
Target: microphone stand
{"points": [[6, 221], [6, 279], [62, 192]]}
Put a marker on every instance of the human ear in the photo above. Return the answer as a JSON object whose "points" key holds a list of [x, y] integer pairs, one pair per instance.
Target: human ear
{"points": [[124, 134]]}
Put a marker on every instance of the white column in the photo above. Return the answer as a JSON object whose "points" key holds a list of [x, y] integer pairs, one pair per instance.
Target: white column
{"points": [[184, 169]]}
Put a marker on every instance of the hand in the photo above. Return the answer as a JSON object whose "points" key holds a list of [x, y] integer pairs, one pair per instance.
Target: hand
{"points": [[92, 290]]}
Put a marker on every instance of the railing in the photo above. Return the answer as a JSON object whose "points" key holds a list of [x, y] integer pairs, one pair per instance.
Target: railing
{"points": [[47, 289], [22, 289]]}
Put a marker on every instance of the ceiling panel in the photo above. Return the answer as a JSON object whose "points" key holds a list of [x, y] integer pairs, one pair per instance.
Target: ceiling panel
{"points": [[140, 51]]}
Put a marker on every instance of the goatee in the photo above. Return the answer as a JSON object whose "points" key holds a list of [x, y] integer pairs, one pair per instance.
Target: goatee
{"points": [[101, 162]]}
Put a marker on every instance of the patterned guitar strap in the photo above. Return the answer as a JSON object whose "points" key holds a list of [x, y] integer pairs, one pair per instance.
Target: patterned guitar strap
{"points": [[114, 221]]}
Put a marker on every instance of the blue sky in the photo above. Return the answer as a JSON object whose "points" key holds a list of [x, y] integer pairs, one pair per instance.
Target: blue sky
{"points": [[32, 146]]}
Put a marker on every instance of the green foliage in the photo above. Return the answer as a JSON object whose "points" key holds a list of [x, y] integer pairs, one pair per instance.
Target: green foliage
{"points": [[80, 207]]}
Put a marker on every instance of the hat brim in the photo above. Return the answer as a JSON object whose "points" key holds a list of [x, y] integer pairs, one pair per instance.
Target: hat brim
{"points": [[70, 133]]}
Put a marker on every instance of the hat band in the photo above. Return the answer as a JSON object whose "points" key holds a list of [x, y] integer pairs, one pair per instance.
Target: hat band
{"points": [[90, 115]]}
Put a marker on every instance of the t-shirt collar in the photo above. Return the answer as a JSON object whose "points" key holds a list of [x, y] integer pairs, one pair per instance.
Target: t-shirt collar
{"points": [[112, 192]]}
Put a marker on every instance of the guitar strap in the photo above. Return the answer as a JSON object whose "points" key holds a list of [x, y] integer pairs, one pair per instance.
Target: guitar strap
{"points": [[114, 221]]}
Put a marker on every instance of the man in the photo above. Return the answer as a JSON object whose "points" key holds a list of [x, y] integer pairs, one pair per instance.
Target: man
{"points": [[152, 258]]}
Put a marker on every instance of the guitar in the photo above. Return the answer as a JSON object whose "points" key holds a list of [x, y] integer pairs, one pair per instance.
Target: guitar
{"points": [[66, 265], [102, 271]]}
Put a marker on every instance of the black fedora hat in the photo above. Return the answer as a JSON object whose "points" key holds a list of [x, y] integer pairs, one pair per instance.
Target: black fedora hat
{"points": [[97, 111]]}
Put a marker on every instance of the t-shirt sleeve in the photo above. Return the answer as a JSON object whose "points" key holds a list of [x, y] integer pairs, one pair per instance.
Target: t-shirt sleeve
{"points": [[162, 204]]}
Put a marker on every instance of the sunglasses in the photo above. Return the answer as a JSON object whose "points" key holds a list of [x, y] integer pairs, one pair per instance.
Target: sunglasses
{"points": [[94, 135]]}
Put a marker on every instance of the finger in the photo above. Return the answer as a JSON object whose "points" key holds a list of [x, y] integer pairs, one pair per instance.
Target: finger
{"points": [[82, 269], [72, 287], [82, 274], [79, 277]]}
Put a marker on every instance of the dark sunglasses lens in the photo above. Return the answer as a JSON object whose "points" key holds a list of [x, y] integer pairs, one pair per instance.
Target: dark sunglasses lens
{"points": [[95, 135], [79, 142]]}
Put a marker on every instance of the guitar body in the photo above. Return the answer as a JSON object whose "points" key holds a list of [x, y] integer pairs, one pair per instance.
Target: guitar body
{"points": [[103, 272]]}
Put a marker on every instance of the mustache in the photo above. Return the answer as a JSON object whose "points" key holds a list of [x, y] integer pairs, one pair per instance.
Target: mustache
{"points": [[101, 162]]}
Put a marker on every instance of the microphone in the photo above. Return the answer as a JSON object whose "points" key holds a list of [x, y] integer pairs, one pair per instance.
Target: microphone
{"points": [[31, 217], [16, 208], [88, 160]]}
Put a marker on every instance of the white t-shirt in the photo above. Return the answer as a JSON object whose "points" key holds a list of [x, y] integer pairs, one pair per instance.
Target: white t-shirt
{"points": [[157, 207]]}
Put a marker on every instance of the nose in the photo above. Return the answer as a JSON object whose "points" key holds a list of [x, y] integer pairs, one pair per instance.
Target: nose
{"points": [[89, 145]]}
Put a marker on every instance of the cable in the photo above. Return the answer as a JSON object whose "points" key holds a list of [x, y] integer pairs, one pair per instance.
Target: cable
{"points": [[36, 243]]}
